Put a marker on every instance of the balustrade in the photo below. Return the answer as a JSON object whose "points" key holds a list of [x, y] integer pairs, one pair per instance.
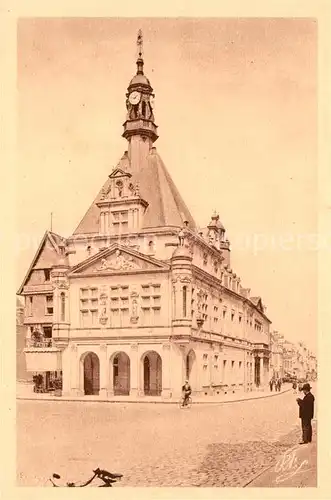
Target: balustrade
{"points": [[39, 343]]}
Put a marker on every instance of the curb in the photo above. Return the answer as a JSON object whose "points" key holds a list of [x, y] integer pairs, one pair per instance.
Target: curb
{"points": [[60, 399]]}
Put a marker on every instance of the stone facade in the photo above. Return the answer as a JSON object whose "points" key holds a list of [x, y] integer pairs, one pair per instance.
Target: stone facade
{"points": [[290, 359], [138, 299]]}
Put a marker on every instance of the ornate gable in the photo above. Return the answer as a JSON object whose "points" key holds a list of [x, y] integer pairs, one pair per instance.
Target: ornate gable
{"points": [[116, 260], [46, 256], [118, 187]]}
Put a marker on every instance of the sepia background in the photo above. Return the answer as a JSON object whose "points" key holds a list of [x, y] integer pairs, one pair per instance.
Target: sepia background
{"points": [[236, 105]]}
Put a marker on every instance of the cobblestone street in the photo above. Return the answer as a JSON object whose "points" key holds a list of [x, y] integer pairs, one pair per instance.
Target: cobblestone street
{"points": [[154, 445]]}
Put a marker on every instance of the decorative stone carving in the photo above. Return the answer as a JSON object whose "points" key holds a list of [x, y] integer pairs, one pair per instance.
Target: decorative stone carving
{"points": [[205, 258], [119, 186], [136, 191], [134, 347], [73, 347], [121, 263], [103, 297], [131, 242], [166, 347], [185, 279], [103, 318], [134, 311], [103, 347], [199, 300], [61, 283], [181, 237]]}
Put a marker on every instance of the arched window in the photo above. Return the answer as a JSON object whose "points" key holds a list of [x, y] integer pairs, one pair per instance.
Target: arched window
{"points": [[63, 306], [184, 301]]}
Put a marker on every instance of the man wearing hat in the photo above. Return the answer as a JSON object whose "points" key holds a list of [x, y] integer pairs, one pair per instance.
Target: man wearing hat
{"points": [[306, 413], [186, 389]]}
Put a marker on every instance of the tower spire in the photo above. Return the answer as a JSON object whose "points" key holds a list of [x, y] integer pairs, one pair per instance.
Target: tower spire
{"points": [[140, 124], [140, 50]]}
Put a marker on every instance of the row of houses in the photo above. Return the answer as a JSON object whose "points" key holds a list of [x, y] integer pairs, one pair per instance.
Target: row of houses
{"points": [[290, 359]]}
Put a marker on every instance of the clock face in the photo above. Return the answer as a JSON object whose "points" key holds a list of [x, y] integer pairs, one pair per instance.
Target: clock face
{"points": [[134, 97]]}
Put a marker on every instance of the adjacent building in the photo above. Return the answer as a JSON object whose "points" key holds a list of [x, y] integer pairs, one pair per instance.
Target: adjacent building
{"points": [[138, 299], [277, 368], [297, 360]]}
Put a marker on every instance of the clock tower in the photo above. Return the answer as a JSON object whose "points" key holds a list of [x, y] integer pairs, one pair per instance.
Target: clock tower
{"points": [[139, 127]]}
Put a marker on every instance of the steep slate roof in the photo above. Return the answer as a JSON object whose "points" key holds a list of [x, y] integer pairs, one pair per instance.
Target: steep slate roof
{"points": [[55, 240], [166, 206]]}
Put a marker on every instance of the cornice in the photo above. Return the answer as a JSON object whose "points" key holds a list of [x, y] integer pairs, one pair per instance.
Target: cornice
{"points": [[209, 278], [168, 231], [102, 274]]}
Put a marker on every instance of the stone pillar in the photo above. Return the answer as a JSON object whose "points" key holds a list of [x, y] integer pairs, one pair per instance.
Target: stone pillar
{"points": [[177, 375], [75, 387], [130, 219], [261, 372], [69, 368], [166, 371], [104, 371], [266, 370], [176, 299], [134, 371]]}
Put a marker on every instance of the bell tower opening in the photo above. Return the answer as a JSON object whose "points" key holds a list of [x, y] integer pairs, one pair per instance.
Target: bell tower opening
{"points": [[140, 129]]}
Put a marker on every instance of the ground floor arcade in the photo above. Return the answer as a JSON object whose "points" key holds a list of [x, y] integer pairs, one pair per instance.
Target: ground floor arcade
{"points": [[160, 369]]}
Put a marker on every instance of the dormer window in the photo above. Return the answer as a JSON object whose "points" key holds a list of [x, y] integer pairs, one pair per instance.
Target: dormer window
{"points": [[47, 274], [120, 221]]}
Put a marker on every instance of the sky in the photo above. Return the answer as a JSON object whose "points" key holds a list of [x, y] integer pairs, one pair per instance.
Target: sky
{"points": [[236, 106]]}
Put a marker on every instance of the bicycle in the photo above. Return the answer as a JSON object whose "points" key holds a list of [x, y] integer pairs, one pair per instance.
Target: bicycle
{"points": [[107, 477], [188, 403]]}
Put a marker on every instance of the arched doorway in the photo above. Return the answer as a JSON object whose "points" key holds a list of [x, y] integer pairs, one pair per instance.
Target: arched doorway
{"points": [[152, 373], [121, 374], [191, 369], [91, 374]]}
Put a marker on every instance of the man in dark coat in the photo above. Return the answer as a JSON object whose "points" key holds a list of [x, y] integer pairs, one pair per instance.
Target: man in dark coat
{"points": [[306, 413]]}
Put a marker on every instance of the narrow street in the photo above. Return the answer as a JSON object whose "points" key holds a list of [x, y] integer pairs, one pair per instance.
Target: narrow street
{"points": [[154, 445]]}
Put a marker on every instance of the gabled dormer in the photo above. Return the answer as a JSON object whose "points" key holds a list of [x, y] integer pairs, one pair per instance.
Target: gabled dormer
{"points": [[121, 206]]}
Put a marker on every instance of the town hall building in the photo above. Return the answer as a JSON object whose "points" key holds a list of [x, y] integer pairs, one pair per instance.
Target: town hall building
{"points": [[139, 299]]}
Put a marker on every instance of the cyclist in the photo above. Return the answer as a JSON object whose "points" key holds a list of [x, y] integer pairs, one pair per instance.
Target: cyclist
{"points": [[186, 390]]}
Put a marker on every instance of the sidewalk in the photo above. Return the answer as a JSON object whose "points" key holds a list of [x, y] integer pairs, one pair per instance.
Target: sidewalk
{"points": [[217, 399], [296, 468]]}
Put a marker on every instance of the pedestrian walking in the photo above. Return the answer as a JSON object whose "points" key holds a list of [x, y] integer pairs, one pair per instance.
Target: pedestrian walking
{"points": [[294, 387], [306, 413], [271, 385]]}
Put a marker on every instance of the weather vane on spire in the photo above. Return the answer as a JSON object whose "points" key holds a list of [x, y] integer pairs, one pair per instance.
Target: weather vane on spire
{"points": [[140, 44]]}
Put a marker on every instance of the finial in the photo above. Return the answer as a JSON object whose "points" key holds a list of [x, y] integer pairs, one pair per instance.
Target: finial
{"points": [[140, 46]]}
